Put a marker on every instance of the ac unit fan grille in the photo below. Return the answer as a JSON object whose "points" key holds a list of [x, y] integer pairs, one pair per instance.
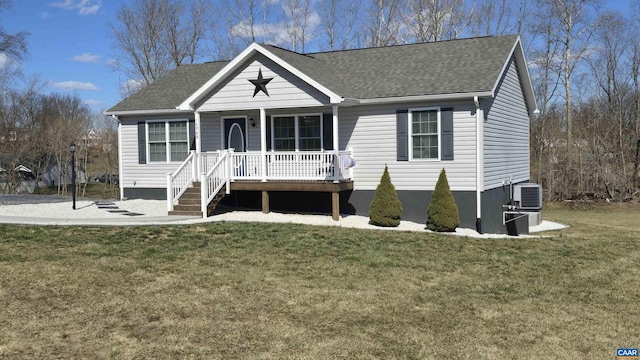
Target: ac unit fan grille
{"points": [[530, 197]]}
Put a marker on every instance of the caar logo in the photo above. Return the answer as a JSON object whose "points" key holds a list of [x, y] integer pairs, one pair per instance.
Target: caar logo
{"points": [[627, 353]]}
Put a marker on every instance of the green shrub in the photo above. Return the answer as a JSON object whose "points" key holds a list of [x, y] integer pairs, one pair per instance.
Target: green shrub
{"points": [[385, 209], [442, 214]]}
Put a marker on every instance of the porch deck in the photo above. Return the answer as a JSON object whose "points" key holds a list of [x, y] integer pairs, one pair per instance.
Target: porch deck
{"points": [[314, 171]]}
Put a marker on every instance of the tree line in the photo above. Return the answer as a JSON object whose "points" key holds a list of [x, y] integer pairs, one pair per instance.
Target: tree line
{"points": [[584, 60], [37, 128]]}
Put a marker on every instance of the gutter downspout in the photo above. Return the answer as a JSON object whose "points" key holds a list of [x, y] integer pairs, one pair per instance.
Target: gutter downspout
{"points": [[479, 163], [120, 178]]}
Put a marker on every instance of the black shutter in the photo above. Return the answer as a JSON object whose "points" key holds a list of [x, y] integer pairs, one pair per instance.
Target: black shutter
{"points": [[268, 133], [192, 134], [142, 143], [402, 133], [327, 131], [446, 136]]}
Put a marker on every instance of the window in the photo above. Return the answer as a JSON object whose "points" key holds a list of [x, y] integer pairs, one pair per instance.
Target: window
{"points": [[171, 135], [299, 132], [424, 136], [284, 133]]}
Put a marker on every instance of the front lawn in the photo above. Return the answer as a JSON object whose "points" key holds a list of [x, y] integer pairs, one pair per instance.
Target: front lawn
{"points": [[244, 290]]}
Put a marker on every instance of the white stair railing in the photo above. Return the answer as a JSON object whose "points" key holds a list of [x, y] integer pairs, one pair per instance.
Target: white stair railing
{"points": [[214, 180], [181, 180]]}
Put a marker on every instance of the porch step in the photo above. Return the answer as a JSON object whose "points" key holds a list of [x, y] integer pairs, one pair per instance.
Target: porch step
{"points": [[189, 202]]}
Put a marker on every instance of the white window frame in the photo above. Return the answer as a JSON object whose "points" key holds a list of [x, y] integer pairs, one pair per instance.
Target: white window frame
{"points": [[296, 118], [410, 132], [167, 140]]}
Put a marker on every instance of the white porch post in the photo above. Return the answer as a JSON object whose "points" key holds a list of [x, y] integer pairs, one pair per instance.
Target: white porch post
{"points": [[336, 143], [198, 145], [263, 142], [336, 146]]}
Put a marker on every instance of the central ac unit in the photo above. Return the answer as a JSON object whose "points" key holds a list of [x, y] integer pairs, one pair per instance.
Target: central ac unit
{"points": [[528, 195]]}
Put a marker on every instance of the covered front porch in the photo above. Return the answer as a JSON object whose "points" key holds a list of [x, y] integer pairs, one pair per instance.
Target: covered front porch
{"points": [[220, 172]]}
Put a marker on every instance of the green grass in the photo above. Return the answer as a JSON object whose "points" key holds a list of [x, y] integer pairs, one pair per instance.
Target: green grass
{"points": [[243, 290]]}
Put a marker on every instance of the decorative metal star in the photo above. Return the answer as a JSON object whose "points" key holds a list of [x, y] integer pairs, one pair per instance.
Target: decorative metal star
{"points": [[260, 84]]}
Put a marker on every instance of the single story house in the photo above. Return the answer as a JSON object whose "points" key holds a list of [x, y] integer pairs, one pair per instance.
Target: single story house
{"points": [[278, 129]]}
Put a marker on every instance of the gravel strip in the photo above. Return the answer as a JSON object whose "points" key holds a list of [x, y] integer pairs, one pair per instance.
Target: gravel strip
{"points": [[155, 212]]}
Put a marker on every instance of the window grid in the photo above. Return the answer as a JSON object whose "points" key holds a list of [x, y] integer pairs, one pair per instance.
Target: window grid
{"points": [[309, 132], [284, 133], [424, 134], [298, 132], [174, 137]]}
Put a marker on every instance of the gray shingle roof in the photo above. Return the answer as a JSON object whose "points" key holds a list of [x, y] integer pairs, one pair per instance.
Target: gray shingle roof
{"points": [[170, 90], [447, 67]]}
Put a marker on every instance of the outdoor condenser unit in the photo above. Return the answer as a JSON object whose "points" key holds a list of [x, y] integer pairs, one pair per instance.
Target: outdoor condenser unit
{"points": [[529, 196]]}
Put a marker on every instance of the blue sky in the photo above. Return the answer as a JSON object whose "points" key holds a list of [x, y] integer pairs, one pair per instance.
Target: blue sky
{"points": [[70, 45]]}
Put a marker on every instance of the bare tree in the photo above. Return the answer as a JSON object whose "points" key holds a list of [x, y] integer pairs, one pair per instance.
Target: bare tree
{"points": [[339, 22], [436, 20], [573, 27], [384, 23], [300, 22], [499, 17], [154, 36]]}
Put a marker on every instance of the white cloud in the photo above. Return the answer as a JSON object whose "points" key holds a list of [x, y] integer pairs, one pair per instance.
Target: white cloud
{"points": [[87, 58], [45, 15], [84, 7], [75, 85], [5, 61], [277, 33], [92, 102], [111, 62], [130, 87]]}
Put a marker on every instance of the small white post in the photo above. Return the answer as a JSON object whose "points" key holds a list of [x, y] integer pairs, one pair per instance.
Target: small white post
{"points": [[204, 192], [336, 142], [263, 142], [336, 166], [169, 193], [198, 143], [194, 165], [230, 160], [350, 173], [227, 171]]}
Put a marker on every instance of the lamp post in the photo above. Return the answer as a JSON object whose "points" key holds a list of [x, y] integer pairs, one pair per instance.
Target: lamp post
{"points": [[72, 148]]}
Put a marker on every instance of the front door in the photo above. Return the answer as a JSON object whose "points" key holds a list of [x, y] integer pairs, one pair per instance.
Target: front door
{"points": [[235, 134]]}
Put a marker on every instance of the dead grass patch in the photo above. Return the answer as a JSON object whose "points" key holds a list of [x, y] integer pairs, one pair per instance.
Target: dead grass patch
{"points": [[241, 290]]}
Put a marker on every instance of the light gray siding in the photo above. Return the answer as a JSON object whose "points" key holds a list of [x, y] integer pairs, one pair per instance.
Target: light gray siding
{"points": [[371, 131], [135, 175], [285, 90], [506, 133], [210, 132]]}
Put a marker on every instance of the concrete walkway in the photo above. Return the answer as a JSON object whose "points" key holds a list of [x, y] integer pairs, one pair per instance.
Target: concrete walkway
{"points": [[154, 212]]}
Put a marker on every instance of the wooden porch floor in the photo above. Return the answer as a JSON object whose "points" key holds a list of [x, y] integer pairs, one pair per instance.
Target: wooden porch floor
{"points": [[286, 185]]}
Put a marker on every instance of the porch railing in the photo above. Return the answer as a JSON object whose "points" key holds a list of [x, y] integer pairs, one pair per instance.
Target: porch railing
{"points": [[219, 168], [214, 180], [181, 180]]}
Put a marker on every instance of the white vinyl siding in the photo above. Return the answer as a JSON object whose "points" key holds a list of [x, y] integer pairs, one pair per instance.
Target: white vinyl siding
{"points": [[371, 131], [506, 133], [154, 174], [285, 90]]}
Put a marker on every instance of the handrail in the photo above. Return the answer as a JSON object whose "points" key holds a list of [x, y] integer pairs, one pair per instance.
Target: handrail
{"points": [[181, 180], [213, 181]]}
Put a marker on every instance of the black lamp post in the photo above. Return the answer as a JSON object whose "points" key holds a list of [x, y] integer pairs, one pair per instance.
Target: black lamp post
{"points": [[72, 148]]}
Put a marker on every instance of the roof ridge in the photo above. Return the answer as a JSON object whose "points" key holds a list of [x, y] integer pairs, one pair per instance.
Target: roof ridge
{"points": [[408, 44]]}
